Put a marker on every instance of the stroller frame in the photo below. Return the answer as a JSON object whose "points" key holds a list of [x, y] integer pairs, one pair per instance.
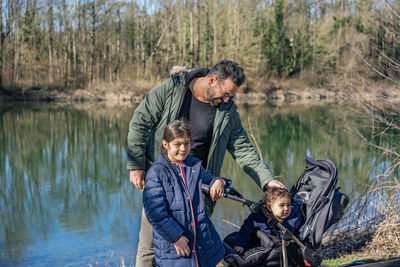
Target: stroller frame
{"points": [[309, 254]]}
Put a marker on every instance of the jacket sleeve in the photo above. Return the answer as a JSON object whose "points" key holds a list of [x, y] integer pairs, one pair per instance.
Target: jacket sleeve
{"points": [[246, 156], [209, 179], [146, 116], [155, 207]]}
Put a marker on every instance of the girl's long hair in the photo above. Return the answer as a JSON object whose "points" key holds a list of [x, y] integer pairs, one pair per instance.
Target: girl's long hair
{"points": [[175, 129]]}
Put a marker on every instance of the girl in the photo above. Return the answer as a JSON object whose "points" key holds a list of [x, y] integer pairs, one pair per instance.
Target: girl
{"points": [[183, 233]]}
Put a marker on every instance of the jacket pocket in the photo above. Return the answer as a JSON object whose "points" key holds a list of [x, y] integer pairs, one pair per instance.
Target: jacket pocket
{"points": [[207, 238], [170, 252]]}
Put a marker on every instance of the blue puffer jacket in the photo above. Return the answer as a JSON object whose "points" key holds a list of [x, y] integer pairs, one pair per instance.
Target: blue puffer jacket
{"points": [[257, 221], [168, 204]]}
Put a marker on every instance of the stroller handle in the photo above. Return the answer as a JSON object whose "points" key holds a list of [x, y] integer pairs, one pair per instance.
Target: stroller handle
{"points": [[206, 190]]}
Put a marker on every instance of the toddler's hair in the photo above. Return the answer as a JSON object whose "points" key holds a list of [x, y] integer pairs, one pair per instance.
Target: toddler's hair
{"points": [[175, 129], [275, 192]]}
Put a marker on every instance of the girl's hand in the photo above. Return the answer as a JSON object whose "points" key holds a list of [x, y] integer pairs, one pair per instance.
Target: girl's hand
{"points": [[181, 246], [217, 190], [239, 249]]}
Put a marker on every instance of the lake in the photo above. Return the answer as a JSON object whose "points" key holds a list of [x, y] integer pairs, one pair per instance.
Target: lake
{"points": [[65, 195]]}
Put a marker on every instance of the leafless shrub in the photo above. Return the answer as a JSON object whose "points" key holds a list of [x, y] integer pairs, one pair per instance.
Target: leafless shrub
{"points": [[371, 225], [386, 239]]}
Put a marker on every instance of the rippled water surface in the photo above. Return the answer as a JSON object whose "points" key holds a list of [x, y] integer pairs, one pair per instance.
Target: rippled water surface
{"points": [[65, 196]]}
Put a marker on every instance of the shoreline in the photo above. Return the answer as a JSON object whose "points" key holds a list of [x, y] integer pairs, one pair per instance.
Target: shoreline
{"points": [[276, 97]]}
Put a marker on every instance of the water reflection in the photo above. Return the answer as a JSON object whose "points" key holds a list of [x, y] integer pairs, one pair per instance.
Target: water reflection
{"points": [[63, 178], [65, 197]]}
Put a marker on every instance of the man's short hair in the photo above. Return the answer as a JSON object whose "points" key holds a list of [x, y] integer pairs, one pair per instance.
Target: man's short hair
{"points": [[228, 69], [274, 193]]}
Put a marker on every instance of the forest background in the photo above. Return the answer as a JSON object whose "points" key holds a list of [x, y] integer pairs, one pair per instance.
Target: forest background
{"points": [[335, 44]]}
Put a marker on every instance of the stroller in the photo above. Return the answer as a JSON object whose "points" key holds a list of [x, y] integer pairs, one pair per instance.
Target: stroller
{"points": [[320, 201]]}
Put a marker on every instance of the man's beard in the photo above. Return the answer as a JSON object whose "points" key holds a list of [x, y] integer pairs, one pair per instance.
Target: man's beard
{"points": [[211, 99]]}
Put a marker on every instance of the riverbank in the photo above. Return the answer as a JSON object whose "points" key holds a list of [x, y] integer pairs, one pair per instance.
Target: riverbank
{"points": [[128, 93]]}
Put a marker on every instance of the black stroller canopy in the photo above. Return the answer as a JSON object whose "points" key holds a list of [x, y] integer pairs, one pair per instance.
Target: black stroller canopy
{"points": [[323, 204]]}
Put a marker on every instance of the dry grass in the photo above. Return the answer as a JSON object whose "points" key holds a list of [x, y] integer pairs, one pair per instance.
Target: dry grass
{"points": [[386, 239], [371, 227]]}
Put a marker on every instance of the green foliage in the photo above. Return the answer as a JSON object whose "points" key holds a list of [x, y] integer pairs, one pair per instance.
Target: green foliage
{"points": [[340, 22], [277, 46]]}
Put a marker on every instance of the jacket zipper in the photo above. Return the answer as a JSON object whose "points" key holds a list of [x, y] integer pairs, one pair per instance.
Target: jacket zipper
{"points": [[191, 207]]}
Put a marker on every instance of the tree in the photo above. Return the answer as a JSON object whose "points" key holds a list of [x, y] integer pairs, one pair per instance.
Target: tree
{"points": [[1, 44], [277, 45]]}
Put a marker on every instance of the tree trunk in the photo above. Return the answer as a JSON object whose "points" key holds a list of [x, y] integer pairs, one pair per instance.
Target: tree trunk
{"points": [[215, 28], [181, 38], [237, 31], [93, 41], [118, 66], [168, 44], [50, 21], [207, 32], [1, 45], [74, 66], [106, 46], [191, 53], [85, 40], [17, 45], [198, 34], [66, 43], [142, 43], [103, 67]]}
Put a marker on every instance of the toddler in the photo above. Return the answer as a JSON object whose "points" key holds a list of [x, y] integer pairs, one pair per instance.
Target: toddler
{"points": [[278, 202]]}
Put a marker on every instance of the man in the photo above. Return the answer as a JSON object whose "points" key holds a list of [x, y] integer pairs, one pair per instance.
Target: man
{"points": [[204, 98]]}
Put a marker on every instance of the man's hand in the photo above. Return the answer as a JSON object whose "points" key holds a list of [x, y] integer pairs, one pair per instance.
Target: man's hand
{"points": [[181, 246], [137, 178], [217, 190], [274, 183]]}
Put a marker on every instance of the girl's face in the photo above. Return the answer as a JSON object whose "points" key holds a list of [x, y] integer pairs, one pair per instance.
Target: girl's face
{"points": [[280, 208], [177, 149]]}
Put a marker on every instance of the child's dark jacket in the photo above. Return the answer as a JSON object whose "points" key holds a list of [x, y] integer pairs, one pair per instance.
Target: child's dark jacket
{"points": [[257, 221], [168, 204]]}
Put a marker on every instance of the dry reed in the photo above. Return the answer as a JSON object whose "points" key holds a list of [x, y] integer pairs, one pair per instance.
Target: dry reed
{"points": [[371, 228]]}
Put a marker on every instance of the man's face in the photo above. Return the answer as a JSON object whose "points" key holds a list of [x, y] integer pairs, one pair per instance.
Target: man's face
{"points": [[280, 208], [219, 90]]}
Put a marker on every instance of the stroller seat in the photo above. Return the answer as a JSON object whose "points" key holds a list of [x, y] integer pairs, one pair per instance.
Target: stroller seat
{"points": [[265, 250]]}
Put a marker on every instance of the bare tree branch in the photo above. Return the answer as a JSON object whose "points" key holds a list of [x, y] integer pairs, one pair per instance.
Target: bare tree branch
{"points": [[372, 67]]}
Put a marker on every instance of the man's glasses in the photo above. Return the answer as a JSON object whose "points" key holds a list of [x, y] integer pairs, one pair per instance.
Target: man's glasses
{"points": [[225, 95]]}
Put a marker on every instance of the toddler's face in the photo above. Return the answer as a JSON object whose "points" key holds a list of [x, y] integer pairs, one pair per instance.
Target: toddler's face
{"points": [[280, 208]]}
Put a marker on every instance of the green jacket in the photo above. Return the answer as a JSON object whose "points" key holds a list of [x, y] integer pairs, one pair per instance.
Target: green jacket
{"points": [[161, 105]]}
